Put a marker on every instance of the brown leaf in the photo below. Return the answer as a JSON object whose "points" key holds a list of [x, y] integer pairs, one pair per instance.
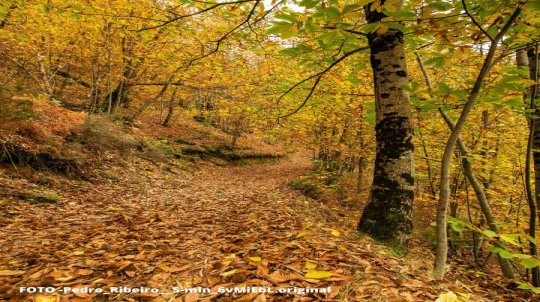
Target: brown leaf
{"points": [[191, 297], [175, 269], [247, 298], [11, 273], [130, 274], [85, 272]]}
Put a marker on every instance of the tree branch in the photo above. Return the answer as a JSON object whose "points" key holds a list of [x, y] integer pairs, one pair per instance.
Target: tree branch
{"points": [[327, 69], [215, 5], [474, 21]]}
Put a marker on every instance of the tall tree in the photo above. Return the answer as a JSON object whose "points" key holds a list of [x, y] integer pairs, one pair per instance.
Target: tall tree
{"points": [[441, 252], [387, 216]]}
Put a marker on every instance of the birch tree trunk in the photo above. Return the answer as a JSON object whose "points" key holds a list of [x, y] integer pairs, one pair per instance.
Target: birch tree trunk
{"points": [[387, 215]]}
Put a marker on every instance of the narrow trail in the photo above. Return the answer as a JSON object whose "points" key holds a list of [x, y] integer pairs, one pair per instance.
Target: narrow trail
{"points": [[214, 227]]}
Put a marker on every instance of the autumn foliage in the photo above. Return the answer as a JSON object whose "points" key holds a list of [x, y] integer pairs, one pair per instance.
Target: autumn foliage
{"points": [[239, 143]]}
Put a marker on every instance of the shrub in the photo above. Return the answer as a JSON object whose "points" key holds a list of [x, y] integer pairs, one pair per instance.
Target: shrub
{"points": [[100, 134]]}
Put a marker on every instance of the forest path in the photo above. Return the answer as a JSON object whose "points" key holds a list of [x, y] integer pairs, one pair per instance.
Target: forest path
{"points": [[217, 226]]}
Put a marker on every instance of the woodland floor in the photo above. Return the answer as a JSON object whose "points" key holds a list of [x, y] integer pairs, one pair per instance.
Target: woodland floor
{"points": [[137, 225]]}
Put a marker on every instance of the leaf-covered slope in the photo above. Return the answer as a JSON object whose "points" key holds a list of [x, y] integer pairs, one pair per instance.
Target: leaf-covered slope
{"points": [[220, 226]]}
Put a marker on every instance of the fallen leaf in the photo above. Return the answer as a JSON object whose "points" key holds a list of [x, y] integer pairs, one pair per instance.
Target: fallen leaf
{"points": [[130, 274], [191, 297], [64, 279], [447, 297], [318, 274], [301, 234], [226, 262], [85, 272], [44, 298], [11, 273], [225, 274]]}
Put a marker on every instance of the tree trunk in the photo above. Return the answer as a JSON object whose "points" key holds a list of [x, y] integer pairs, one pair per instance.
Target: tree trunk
{"points": [[170, 110], [441, 251], [360, 180], [120, 95], [149, 102], [506, 266], [535, 74], [387, 216], [533, 147], [427, 78]]}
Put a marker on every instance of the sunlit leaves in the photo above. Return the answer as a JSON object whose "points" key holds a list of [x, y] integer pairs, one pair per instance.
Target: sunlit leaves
{"points": [[284, 29]]}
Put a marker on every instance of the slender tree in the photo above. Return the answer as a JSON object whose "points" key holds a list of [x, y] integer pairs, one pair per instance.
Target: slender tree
{"points": [[444, 188]]}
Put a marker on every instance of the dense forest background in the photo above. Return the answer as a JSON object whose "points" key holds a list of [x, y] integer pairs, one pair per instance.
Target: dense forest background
{"points": [[414, 122]]}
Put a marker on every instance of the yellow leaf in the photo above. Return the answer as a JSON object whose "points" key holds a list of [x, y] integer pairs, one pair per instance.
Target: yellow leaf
{"points": [[255, 259], [310, 265], [225, 274], [226, 262], [64, 279], [78, 253], [318, 274], [44, 298], [301, 234], [447, 297], [335, 233]]}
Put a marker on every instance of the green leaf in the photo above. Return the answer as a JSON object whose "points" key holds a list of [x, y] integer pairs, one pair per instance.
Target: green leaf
{"points": [[395, 25], [436, 61], [458, 226], [350, 8], [332, 13], [328, 37], [288, 17], [443, 88], [510, 238], [530, 262], [309, 3], [284, 29], [502, 252], [527, 286], [370, 27], [403, 14], [515, 103], [489, 233], [441, 5]]}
